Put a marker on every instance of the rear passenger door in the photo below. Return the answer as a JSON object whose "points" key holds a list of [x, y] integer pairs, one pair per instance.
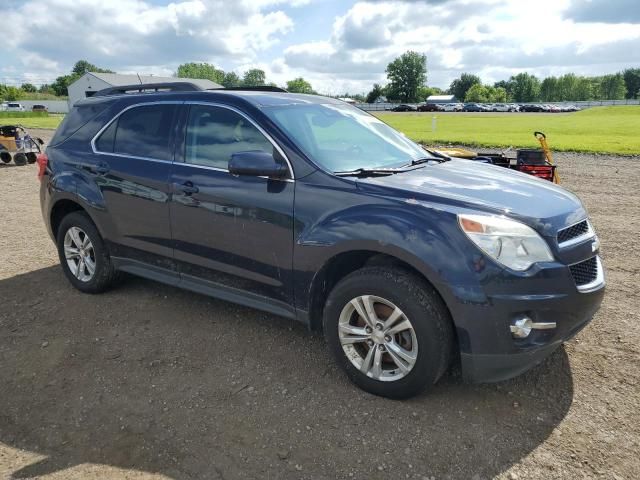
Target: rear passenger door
{"points": [[132, 162], [233, 234]]}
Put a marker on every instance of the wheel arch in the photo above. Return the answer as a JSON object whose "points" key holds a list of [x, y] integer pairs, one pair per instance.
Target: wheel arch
{"points": [[61, 209], [342, 264]]}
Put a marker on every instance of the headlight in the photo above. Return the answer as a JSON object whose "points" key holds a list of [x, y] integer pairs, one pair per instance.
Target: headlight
{"points": [[510, 243]]}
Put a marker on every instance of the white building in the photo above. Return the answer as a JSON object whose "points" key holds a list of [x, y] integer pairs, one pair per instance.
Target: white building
{"points": [[92, 82], [442, 99]]}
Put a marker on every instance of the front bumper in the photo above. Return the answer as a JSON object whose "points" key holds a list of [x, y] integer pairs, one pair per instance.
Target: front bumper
{"points": [[488, 350]]}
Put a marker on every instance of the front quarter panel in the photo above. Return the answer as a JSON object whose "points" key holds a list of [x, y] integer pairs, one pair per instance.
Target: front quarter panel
{"points": [[331, 220]]}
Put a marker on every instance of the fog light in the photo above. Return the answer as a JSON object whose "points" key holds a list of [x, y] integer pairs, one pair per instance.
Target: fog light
{"points": [[521, 327]]}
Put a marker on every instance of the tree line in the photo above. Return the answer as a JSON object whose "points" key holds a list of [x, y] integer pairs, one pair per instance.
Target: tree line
{"points": [[407, 83]]}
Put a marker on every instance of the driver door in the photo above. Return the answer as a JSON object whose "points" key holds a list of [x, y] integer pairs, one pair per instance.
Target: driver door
{"points": [[230, 234]]}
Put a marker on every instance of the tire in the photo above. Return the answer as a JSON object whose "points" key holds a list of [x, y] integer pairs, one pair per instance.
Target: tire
{"points": [[31, 157], [5, 157], [20, 159], [103, 274], [429, 342]]}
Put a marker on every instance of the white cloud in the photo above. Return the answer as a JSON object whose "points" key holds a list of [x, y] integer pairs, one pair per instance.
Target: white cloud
{"points": [[492, 38], [121, 34]]}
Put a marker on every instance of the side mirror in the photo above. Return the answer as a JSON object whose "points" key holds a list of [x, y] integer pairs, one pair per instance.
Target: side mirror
{"points": [[256, 163]]}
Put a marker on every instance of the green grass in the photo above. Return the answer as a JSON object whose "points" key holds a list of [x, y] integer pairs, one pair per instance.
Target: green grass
{"points": [[598, 129], [31, 119]]}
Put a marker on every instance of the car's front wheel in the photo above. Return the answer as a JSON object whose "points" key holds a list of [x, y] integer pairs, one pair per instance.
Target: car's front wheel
{"points": [[389, 331], [83, 255]]}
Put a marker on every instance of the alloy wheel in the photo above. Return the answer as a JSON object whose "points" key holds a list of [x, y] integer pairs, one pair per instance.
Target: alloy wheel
{"points": [[377, 338], [80, 254]]}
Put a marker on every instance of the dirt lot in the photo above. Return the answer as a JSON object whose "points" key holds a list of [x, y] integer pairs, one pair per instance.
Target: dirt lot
{"points": [[148, 382]]}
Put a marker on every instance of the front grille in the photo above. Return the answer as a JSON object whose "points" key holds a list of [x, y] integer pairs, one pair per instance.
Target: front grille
{"points": [[585, 272], [573, 231]]}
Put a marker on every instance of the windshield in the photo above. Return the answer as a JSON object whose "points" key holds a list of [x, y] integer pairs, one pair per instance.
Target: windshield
{"points": [[344, 138]]}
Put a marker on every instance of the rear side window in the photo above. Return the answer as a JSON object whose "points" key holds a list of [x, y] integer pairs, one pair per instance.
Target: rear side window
{"points": [[215, 133], [145, 132]]}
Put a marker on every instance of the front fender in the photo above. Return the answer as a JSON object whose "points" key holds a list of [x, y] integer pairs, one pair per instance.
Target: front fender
{"points": [[427, 238]]}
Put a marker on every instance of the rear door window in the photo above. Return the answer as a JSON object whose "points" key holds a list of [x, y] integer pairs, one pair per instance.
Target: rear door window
{"points": [[144, 131]]}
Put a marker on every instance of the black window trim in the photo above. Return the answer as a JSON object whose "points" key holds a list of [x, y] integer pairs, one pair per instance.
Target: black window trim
{"points": [[169, 102]]}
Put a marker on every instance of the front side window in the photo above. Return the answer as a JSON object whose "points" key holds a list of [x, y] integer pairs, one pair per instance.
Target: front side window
{"points": [[343, 138], [143, 131], [216, 133]]}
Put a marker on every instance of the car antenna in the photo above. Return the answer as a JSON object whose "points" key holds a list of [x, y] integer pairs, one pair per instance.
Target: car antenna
{"points": [[139, 79]]}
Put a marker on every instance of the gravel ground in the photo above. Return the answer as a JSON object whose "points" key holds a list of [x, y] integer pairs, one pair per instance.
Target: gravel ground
{"points": [[148, 382]]}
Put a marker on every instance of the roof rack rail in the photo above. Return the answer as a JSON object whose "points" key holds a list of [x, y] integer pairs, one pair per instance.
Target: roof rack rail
{"points": [[255, 88], [149, 87]]}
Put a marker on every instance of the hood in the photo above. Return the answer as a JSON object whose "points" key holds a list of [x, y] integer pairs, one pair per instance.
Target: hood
{"points": [[490, 188]]}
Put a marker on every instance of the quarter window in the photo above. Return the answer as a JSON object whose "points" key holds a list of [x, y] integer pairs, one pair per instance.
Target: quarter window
{"points": [[215, 133]]}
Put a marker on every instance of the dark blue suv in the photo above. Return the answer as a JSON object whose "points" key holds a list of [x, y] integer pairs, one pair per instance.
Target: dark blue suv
{"points": [[312, 209]]}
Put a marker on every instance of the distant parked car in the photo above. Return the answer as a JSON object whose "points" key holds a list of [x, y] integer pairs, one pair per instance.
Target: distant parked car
{"points": [[450, 107], [474, 107], [403, 108], [14, 107], [531, 107], [429, 107], [39, 108]]}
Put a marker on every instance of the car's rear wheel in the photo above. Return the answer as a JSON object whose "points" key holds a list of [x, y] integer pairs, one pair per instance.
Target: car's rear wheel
{"points": [[389, 331], [83, 256]]}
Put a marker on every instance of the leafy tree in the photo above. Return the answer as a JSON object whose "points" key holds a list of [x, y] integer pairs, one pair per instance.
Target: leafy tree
{"points": [[299, 85], [406, 75], [46, 88], [204, 71], [425, 92], [10, 93], [477, 93], [485, 94], [82, 66], [525, 87], [548, 89], [632, 82], [497, 94], [59, 86], [460, 86], [254, 77], [28, 88], [231, 79], [375, 93], [613, 87]]}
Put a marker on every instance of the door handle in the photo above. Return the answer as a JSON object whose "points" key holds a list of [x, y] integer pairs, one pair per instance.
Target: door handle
{"points": [[188, 187]]}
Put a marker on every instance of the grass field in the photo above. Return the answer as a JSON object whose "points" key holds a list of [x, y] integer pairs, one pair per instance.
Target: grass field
{"points": [[598, 129], [31, 119]]}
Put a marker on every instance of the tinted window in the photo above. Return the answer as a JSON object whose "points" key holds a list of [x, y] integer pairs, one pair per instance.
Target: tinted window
{"points": [[145, 132], [105, 141], [215, 133]]}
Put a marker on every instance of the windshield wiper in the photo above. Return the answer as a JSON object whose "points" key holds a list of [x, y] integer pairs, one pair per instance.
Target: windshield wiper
{"points": [[371, 172], [437, 157]]}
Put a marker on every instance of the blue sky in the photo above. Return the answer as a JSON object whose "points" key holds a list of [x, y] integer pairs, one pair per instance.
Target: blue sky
{"points": [[339, 46]]}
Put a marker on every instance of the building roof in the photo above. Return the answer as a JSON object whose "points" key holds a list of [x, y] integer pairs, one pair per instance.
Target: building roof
{"points": [[441, 98], [118, 80]]}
